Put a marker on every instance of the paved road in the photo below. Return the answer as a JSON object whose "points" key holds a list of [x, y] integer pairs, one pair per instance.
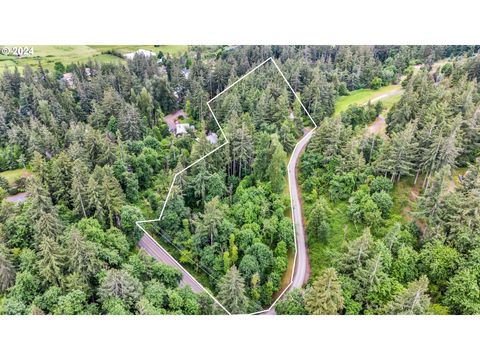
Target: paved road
{"points": [[301, 272], [152, 248], [302, 267]]}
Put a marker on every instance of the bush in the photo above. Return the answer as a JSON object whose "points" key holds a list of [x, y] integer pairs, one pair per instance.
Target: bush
{"points": [[20, 184], [362, 208], [4, 183], [447, 69], [380, 183], [384, 202], [291, 304], [342, 186], [376, 83]]}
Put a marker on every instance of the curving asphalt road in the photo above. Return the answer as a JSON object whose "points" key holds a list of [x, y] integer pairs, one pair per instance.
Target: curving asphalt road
{"points": [[152, 248], [302, 267]]}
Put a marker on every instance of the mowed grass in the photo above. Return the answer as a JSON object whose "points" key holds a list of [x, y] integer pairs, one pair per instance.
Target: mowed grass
{"points": [[362, 96], [48, 55], [12, 175]]}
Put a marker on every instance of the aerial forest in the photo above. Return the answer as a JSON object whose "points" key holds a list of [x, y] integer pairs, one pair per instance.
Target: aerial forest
{"points": [[390, 187]]}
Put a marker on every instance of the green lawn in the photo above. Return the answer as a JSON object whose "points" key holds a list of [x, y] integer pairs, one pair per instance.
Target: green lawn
{"points": [[67, 54], [363, 96], [12, 175]]}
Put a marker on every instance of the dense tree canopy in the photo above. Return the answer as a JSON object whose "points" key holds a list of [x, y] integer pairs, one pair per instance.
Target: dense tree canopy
{"points": [[98, 156]]}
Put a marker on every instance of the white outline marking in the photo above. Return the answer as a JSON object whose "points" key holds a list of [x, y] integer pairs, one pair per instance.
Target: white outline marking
{"points": [[211, 152]]}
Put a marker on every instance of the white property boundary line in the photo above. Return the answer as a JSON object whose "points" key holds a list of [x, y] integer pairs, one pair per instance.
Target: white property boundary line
{"points": [[211, 152]]}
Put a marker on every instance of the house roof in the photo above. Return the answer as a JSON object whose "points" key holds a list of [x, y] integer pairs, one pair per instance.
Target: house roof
{"points": [[146, 53], [212, 138]]}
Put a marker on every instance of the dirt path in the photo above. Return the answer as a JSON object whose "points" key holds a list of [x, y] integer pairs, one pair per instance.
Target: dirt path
{"points": [[387, 94], [20, 197], [378, 127]]}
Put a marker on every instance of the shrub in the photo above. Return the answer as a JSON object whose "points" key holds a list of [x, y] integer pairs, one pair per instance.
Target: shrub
{"points": [[384, 202], [380, 183]]}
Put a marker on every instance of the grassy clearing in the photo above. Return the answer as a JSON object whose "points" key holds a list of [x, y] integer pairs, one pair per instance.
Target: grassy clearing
{"points": [[13, 175], [48, 55], [363, 96], [341, 231]]}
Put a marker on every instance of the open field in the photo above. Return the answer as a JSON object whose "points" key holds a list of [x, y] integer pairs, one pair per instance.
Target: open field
{"points": [[12, 175], [48, 55], [363, 96]]}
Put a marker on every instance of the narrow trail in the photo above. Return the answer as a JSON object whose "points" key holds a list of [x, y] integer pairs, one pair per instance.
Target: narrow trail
{"points": [[383, 96]]}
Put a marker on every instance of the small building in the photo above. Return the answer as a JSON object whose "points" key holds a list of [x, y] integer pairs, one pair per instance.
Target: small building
{"points": [[181, 129], [212, 138], [146, 53], [174, 118], [67, 78], [163, 70], [185, 73]]}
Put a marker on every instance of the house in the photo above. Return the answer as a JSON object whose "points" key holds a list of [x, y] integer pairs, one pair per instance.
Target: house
{"points": [[181, 129], [67, 78], [146, 53], [173, 119], [163, 70], [212, 138], [185, 72]]}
